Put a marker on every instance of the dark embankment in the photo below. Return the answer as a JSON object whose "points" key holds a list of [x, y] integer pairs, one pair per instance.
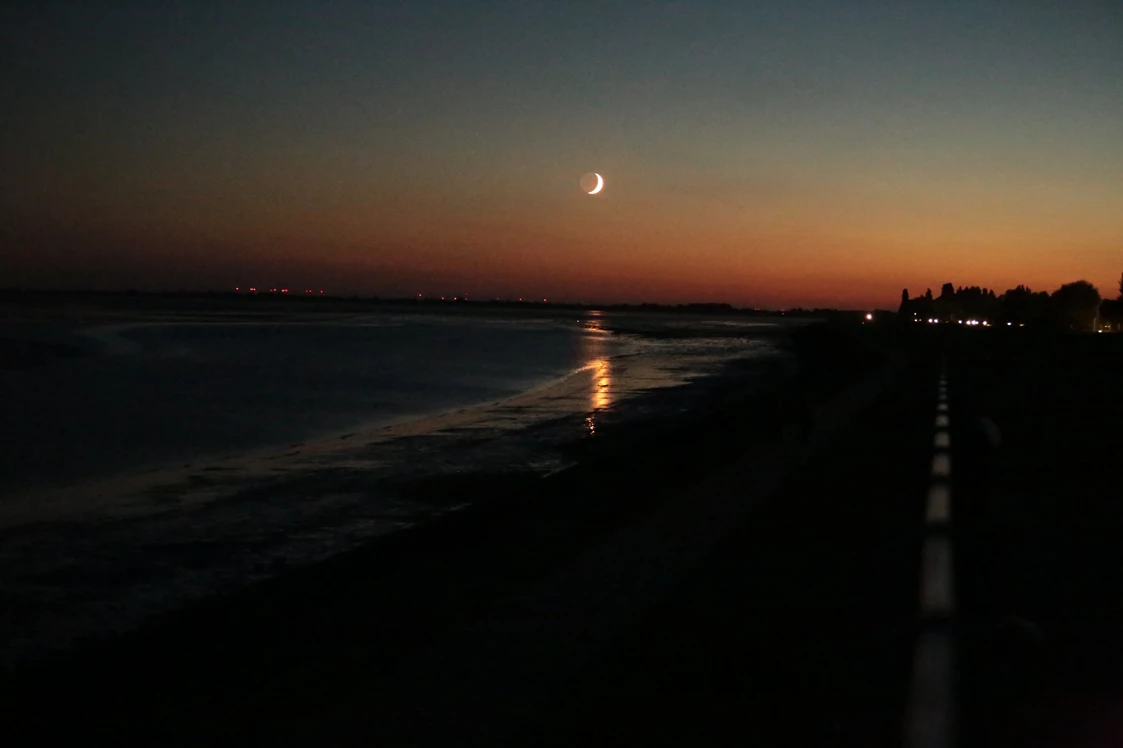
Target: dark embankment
{"points": [[1040, 518], [799, 629]]}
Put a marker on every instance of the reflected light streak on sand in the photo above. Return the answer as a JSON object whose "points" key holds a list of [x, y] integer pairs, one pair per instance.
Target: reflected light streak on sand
{"points": [[602, 391], [599, 367], [602, 378]]}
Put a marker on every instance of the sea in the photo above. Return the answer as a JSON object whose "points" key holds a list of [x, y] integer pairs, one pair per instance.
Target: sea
{"points": [[147, 461]]}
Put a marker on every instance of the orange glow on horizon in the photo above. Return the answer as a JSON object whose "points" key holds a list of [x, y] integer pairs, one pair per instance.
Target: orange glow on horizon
{"points": [[637, 247]]}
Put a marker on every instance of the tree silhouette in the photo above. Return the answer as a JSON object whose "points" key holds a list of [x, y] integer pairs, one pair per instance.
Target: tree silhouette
{"points": [[1073, 306], [1121, 286], [1076, 304], [1111, 313], [1022, 306]]}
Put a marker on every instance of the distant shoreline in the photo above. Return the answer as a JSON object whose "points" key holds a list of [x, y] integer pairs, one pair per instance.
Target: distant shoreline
{"points": [[323, 302]]}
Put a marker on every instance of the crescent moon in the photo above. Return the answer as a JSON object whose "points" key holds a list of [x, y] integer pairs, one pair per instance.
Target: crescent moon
{"points": [[600, 184]]}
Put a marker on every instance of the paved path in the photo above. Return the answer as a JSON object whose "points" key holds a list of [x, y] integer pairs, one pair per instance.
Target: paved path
{"points": [[930, 720]]}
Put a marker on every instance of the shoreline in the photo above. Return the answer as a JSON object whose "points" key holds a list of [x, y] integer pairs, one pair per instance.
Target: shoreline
{"points": [[26, 506], [130, 481], [103, 334]]}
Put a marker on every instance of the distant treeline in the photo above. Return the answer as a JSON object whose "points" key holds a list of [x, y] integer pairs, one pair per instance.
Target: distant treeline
{"points": [[1075, 306]]}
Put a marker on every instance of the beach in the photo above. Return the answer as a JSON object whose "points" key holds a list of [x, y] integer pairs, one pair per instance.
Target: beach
{"points": [[99, 553], [240, 656]]}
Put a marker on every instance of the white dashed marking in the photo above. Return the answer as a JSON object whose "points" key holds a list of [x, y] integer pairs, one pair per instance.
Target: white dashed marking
{"points": [[939, 504], [930, 722], [936, 597]]}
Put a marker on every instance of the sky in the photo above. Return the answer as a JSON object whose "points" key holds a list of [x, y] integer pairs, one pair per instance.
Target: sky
{"points": [[790, 153]]}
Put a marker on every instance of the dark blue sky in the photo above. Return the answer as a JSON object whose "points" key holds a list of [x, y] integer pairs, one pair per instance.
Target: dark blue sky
{"points": [[778, 152]]}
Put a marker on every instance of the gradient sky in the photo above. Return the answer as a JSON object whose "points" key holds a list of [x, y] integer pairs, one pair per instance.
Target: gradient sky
{"points": [[771, 153]]}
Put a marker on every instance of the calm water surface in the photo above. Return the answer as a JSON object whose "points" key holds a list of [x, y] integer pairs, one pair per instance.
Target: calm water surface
{"points": [[154, 394]]}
